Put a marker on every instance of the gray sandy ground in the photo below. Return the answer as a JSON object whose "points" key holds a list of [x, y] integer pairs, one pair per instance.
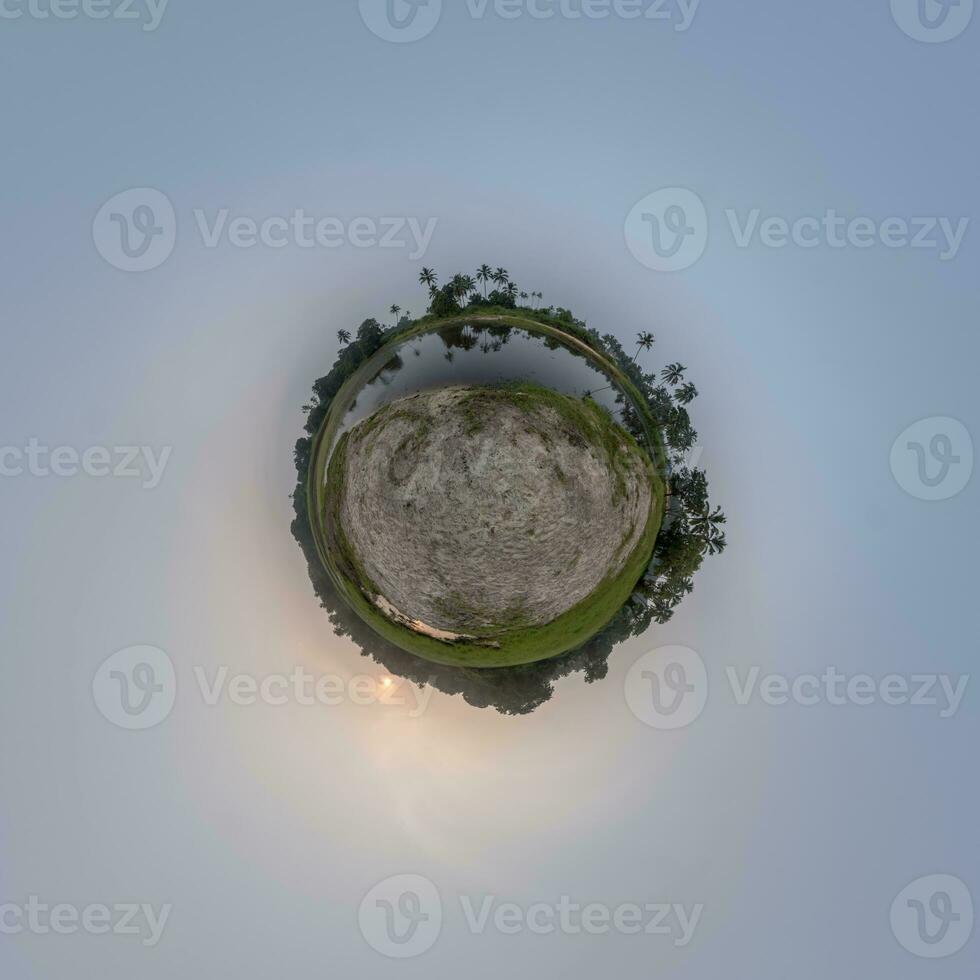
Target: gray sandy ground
{"points": [[471, 512]]}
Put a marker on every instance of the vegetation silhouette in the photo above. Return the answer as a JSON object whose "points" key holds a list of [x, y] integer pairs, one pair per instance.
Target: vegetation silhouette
{"points": [[510, 690], [692, 528]]}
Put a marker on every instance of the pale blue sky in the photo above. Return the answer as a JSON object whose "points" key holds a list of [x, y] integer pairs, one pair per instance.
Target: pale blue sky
{"points": [[529, 141]]}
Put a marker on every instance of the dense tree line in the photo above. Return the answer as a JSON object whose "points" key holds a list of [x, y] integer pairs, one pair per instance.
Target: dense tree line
{"points": [[692, 528], [691, 531]]}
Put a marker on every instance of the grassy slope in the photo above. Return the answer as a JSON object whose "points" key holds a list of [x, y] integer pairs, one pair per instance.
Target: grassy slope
{"points": [[565, 633]]}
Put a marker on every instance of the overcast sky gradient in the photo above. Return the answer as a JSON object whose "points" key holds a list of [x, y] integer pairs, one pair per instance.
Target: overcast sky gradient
{"points": [[529, 140]]}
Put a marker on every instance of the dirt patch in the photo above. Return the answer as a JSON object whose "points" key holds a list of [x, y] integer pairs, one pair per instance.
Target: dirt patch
{"points": [[478, 510]]}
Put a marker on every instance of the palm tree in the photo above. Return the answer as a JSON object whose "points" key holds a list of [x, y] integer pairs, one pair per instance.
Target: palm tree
{"points": [[708, 524], [588, 393], [673, 374], [484, 274], [511, 290], [644, 341], [715, 542], [462, 286], [706, 518], [343, 336], [538, 296], [686, 394], [523, 295], [675, 591], [428, 278], [395, 310], [501, 277]]}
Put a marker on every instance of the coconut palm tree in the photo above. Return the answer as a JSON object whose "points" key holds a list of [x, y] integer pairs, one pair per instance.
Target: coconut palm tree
{"points": [[501, 277], [707, 522], [343, 336], [644, 341], [705, 517], [538, 296], [715, 542], [524, 296], [511, 290], [395, 310], [673, 374], [595, 391], [484, 274], [428, 278], [676, 590], [462, 286], [686, 394]]}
